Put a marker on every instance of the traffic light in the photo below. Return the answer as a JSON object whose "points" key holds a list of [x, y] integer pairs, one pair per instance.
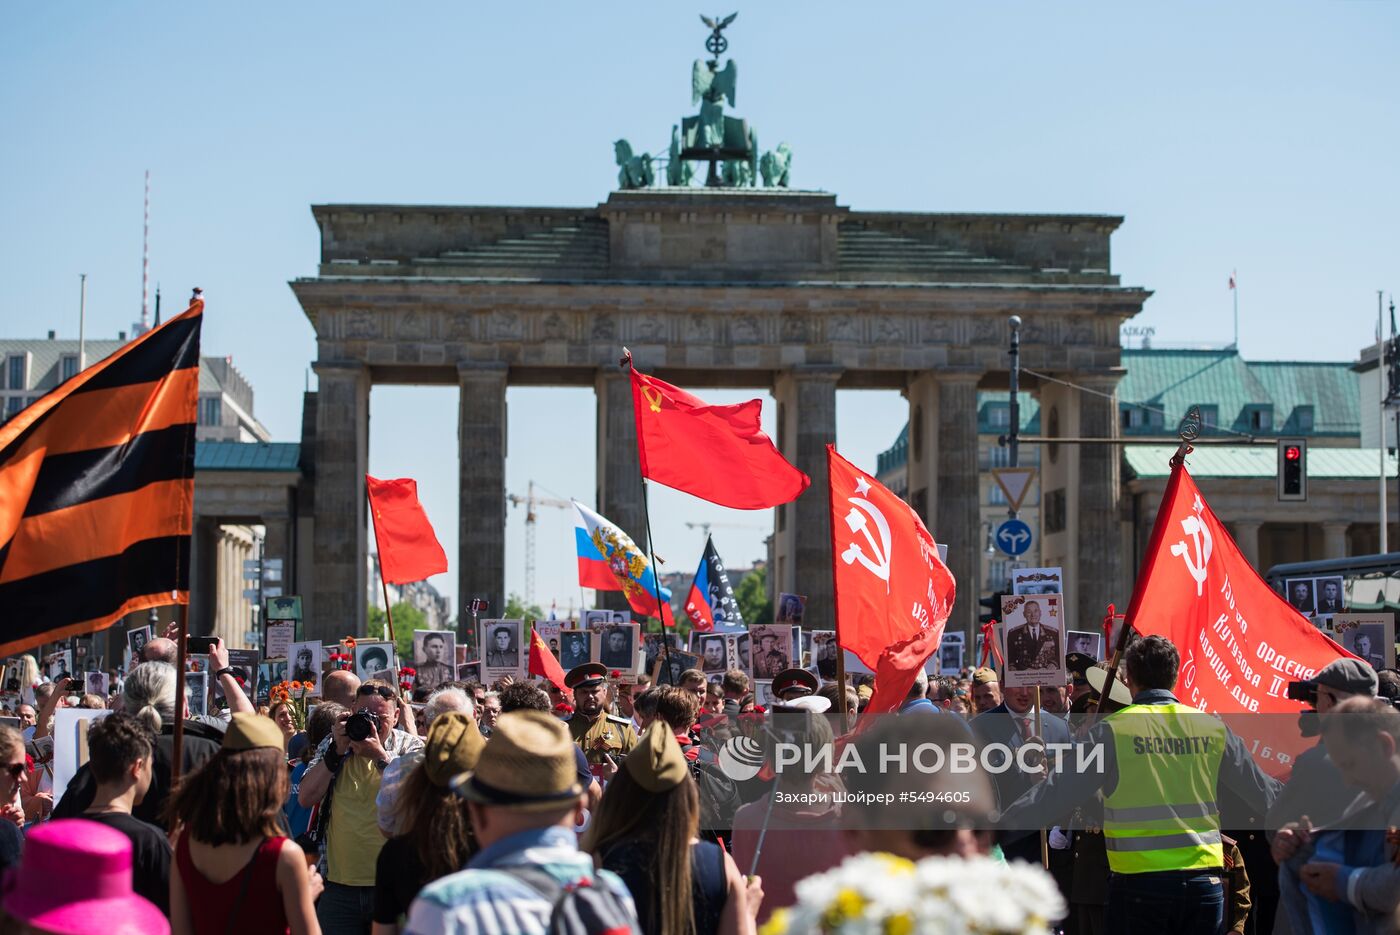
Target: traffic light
{"points": [[992, 607], [1292, 469]]}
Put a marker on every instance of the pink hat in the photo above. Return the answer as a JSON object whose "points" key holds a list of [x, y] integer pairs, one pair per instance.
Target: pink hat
{"points": [[75, 879]]}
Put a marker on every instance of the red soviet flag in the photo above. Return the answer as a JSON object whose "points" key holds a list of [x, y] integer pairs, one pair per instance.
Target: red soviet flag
{"points": [[716, 453], [893, 592], [408, 549], [542, 661], [1240, 642]]}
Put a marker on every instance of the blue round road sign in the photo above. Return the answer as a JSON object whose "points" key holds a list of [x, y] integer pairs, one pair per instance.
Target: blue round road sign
{"points": [[1013, 537]]}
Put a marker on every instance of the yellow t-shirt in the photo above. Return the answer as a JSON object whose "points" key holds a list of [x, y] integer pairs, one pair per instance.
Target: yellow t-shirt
{"points": [[353, 839]]}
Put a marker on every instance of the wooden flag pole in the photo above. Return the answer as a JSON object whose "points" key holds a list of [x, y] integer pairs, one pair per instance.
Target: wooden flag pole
{"points": [[178, 741]]}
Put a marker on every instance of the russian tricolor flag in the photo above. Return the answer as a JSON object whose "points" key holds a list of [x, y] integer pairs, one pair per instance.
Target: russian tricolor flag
{"points": [[608, 560]]}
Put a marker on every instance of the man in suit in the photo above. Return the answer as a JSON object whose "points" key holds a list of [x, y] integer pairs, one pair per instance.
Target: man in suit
{"points": [[1329, 598], [1031, 645], [1010, 725]]}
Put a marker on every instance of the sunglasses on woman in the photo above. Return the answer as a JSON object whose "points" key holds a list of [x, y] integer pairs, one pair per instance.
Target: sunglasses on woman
{"points": [[16, 770]]}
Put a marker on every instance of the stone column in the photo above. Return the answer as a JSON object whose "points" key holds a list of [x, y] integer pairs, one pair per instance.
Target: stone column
{"points": [[1096, 512], [481, 510], [955, 510], [1334, 539], [1246, 533], [619, 471], [337, 606], [277, 543], [807, 405]]}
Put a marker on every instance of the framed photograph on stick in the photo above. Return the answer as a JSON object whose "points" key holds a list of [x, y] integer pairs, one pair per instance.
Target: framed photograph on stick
{"points": [[434, 657], [617, 646], [1034, 628], [502, 652]]}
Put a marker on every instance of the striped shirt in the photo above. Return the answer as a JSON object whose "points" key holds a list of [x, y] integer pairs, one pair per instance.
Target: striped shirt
{"points": [[482, 900]]}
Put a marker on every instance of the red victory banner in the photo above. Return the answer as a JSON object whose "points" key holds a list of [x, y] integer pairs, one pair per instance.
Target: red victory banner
{"points": [[716, 453], [408, 548], [893, 592], [1240, 642], [542, 661]]}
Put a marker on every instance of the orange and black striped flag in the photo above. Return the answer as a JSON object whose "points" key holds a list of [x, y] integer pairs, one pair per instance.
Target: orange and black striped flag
{"points": [[97, 491]]}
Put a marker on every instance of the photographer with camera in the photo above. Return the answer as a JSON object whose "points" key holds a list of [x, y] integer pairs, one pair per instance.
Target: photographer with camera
{"points": [[344, 779], [1315, 788]]}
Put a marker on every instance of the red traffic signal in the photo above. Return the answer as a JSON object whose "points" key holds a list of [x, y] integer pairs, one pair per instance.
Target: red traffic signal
{"points": [[1292, 469]]}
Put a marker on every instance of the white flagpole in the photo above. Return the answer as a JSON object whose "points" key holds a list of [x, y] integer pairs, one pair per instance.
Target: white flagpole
{"points": [[1380, 415]]}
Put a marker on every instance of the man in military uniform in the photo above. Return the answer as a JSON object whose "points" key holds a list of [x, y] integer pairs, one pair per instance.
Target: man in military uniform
{"points": [[1032, 645], [796, 689], [769, 660], [598, 733]]}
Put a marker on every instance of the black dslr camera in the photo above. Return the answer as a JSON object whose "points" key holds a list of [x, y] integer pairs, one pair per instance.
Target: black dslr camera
{"points": [[1305, 692], [361, 725]]}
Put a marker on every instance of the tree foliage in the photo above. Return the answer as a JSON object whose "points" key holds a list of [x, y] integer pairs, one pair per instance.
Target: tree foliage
{"points": [[407, 618], [752, 596]]}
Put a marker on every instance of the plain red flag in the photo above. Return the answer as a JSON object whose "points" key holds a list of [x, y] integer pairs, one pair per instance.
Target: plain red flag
{"points": [[1240, 642], [542, 661], [408, 549], [893, 592], [716, 453]]}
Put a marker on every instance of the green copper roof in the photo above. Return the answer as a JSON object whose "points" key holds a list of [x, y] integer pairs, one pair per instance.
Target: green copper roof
{"points": [[1176, 380], [1258, 461], [247, 456]]}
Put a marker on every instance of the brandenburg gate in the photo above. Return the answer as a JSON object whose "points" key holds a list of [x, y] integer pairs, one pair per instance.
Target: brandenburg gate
{"points": [[777, 289]]}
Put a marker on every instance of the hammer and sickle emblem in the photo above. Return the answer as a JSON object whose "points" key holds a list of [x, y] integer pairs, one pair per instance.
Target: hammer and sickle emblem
{"points": [[878, 562], [1196, 528], [653, 397]]}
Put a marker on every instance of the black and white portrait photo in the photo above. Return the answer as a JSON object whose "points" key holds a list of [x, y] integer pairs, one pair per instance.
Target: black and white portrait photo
{"points": [[1299, 592], [950, 656], [574, 648], [617, 647], [714, 656], [1084, 641], [773, 652], [197, 692], [791, 608], [1368, 642], [653, 648], [136, 641], [501, 651], [374, 660], [434, 655], [306, 664], [1328, 592], [824, 651], [96, 684]]}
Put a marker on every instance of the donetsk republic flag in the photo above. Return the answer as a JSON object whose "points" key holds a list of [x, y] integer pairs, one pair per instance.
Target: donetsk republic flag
{"points": [[97, 491]]}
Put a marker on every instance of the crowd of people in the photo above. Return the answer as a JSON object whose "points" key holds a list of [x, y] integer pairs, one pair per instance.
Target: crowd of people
{"points": [[604, 804]]}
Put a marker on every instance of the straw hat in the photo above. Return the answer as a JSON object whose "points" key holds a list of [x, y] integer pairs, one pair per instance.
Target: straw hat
{"points": [[528, 764], [454, 747], [656, 762], [1118, 694], [75, 879]]}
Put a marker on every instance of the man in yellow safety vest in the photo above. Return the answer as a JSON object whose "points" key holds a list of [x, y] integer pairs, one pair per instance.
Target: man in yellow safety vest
{"points": [[1161, 772]]}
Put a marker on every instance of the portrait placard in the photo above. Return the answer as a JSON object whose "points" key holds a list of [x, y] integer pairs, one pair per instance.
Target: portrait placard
{"points": [[434, 658], [713, 650], [772, 650], [617, 646], [670, 674], [284, 607], [1368, 636], [1038, 581], [279, 635], [652, 646], [374, 661], [824, 650], [502, 650], [305, 665], [136, 641], [1034, 640], [197, 693], [1086, 642], [950, 654], [791, 609], [575, 648], [549, 632], [96, 684]]}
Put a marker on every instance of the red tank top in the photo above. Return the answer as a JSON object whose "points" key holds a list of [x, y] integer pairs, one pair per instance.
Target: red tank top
{"points": [[219, 908]]}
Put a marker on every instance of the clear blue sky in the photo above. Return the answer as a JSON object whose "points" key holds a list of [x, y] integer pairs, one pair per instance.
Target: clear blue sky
{"points": [[1258, 136]]}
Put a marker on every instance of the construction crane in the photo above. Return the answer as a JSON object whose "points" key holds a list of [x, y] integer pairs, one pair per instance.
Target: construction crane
{"points": [[705, 527], [530, 502]]}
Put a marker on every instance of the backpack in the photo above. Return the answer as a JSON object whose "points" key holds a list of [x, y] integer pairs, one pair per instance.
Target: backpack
{"points": [[719, 795], [580, 908]]}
